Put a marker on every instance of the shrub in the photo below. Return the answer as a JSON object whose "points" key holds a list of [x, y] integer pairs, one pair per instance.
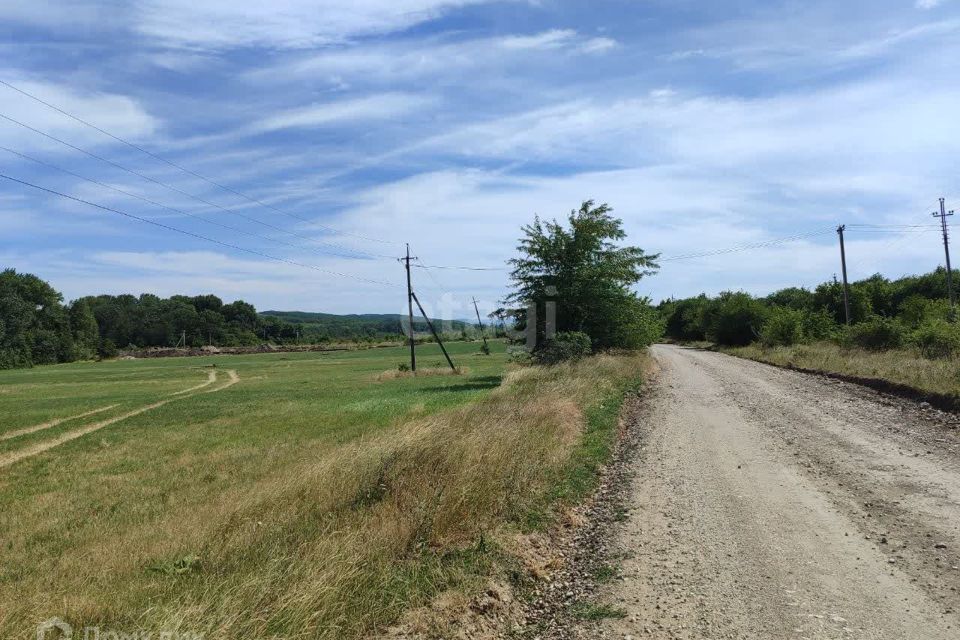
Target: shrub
{"points": [[784, 327], [566, 345], [818, 325], [937, 339], [875, 334], [736, 319]]}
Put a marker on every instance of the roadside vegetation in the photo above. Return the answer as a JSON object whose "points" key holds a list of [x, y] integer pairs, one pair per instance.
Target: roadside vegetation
{"points": [[902, 330]]}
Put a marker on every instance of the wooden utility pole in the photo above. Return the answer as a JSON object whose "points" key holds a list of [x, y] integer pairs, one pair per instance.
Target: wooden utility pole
{"points": [[843, 264], [433, 331], [946, 248], [480, 322], [413, 348]]}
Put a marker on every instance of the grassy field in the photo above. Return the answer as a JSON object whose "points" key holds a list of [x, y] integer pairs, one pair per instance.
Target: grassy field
{"points": [[280, 495], [901, 366]]}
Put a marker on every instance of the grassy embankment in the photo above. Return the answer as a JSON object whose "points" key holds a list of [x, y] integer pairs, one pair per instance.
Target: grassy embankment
{"points": [[313, 499], [900, 366]]}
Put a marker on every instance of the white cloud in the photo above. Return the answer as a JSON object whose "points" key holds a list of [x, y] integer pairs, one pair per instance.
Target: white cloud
{"points": [[598, 45], [377, 107], [547, 40], [222, 24], [119, 114], [928, 4], [411, 61]]}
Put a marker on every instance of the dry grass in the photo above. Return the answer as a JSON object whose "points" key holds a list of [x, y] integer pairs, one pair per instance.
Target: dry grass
{"points": [[902, 366], [340, 545]]}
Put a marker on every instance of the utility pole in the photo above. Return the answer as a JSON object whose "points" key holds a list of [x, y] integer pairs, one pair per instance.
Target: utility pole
{"points": [[843, 264], [946, 248], [433, 331], [413, 349], [480, 322]]}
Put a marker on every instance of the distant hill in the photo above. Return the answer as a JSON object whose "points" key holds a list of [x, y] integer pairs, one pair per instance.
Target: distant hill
{"points": [[358, 325]]}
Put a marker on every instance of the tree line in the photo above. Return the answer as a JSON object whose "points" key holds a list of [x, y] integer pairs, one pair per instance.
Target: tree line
{"points": [[37, 327], [912, 311], [578, 274]]}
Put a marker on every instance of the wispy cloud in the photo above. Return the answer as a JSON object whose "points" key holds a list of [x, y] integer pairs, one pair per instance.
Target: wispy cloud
{"points": [[377, 107], [217, 24]]}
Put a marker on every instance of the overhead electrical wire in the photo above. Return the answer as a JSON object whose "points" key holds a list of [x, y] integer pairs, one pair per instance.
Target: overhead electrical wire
{"points": [[189, 171], [746, 247], [192, 234], [189, 195], [167, 207]]}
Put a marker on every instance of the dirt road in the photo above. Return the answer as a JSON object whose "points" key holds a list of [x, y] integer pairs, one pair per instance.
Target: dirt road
{"points": [[772, 504]]}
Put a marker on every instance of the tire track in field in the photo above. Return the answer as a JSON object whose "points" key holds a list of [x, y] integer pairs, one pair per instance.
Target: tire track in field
{"points": [[51, 423], [28, 452], [211, 378]]}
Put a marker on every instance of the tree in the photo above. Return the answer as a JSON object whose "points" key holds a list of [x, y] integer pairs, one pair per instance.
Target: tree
{"points": [[737, 319], [35, 326], [86, 333], [829, 297], [581, 268]]}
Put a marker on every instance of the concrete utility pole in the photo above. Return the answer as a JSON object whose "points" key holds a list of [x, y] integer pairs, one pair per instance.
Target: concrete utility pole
{"points": [[843, 264], [946, 248], [480, 322], [413, 349]]}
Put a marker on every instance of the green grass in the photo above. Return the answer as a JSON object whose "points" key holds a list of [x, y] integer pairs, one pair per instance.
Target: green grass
{"points": [[593, 612], [316, 498]]}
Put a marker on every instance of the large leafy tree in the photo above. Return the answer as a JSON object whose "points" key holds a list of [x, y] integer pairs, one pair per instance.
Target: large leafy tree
{"points": [[583, 268]]}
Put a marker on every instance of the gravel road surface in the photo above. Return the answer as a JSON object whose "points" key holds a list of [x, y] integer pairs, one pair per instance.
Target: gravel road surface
{"points": [[773, 504]]}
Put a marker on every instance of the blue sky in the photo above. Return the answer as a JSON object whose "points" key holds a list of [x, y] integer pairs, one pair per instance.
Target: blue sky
{"points": [[354, 126]]}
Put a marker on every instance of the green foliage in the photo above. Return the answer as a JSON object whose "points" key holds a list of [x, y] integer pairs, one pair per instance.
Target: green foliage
{"points": [[320, 327], [783, 327], [916, 311], [796, 298], [683, 319], [34, 325], [829, 297], [566, 345], [886, 314], [937, 339], [818, 325], [735, 319], [582, 270], [86, 333], [875, 334]]}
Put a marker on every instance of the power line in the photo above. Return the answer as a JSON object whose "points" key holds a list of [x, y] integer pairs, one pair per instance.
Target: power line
{"points": [[184, 193], [462, 268], [191, 233], [747, 247], [184, 169], [163, 206]]}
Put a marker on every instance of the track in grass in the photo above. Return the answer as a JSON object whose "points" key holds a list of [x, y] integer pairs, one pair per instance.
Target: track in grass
{"points": [[28, 452], [52, 423]]}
